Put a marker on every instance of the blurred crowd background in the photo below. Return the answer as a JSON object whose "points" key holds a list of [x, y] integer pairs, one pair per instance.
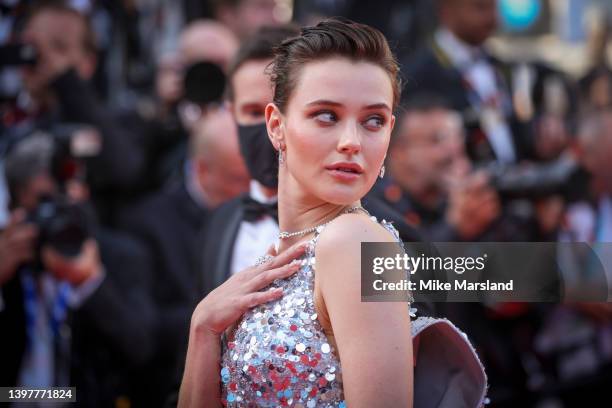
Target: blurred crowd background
{"points": [[134, 165]]}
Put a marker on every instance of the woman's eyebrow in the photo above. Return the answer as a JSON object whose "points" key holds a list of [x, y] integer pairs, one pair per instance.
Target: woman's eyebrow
{"points": [[378, 106], [323, 102], [332, 103]]}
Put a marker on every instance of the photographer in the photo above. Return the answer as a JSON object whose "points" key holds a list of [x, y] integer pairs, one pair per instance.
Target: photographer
{"points": [[57, 92], [73, 297], [431, 182]]}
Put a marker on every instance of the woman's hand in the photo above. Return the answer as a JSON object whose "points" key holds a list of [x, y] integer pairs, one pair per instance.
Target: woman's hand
{"points": [[227, 303], [218, 311]]}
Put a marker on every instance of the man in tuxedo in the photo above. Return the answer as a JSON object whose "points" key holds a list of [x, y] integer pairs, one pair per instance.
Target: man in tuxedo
{"points": [[240, 231], [168, 224], [83, 320], [457, 65]]}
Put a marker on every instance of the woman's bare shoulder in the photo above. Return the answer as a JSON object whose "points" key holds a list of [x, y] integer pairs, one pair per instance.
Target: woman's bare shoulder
{"points": [[342, 237], [354, 229]]}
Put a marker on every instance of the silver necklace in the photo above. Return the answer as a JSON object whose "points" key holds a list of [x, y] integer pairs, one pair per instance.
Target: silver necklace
{"points": [[287, 234]]}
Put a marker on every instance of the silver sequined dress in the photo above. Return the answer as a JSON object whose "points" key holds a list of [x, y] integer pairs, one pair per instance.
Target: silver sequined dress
{"points": [[279, 355]]}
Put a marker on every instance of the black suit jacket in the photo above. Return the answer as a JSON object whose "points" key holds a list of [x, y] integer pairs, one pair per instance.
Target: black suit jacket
{"points": [[217, 240], [430, 71], [109, 335], [168, 223]]}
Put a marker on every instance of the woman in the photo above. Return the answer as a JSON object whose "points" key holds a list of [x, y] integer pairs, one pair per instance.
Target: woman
{"points": [[335, 88]]}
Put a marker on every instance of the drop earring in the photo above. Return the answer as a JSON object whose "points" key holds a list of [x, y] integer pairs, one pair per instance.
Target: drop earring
{"points": [[281, 158], [382, 172]]}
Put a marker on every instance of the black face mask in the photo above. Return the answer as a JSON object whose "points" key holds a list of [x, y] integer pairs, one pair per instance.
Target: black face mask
{"points": [[259, 154]]}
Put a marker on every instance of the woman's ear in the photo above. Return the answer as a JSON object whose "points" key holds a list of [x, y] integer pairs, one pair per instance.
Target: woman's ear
{"points": [[274, 124], [392, 122]]}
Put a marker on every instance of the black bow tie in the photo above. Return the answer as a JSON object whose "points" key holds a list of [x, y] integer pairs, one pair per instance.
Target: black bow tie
{"points": [[254, 210]]}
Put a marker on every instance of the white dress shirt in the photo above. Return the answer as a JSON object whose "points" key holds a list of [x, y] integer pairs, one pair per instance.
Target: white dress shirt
{"points": [[254, 238]]}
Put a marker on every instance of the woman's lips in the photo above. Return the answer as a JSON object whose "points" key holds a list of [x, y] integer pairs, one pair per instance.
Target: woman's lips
{"points": [[342, 175]]}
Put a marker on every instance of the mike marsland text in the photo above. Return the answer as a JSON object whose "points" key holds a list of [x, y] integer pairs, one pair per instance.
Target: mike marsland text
{"points": [[437, 285]]}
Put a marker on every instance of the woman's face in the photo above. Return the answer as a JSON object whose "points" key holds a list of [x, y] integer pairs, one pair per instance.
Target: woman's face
{"points": [[336, 129]]}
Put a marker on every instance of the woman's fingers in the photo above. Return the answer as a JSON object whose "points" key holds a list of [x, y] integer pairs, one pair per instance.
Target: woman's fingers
{"points": [[287, 256], [257, 298], [263, 279], [271, 251]]}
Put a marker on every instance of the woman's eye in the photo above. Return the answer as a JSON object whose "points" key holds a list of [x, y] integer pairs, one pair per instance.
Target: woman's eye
{"points": [[375, 122], [326, 117]]}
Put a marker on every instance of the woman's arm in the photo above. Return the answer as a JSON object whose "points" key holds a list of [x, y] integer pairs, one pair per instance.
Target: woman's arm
{"points": [[374, 340], [201, 380]]}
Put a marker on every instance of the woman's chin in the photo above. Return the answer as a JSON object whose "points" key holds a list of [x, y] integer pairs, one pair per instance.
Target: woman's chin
{"points": [[341, 195]]}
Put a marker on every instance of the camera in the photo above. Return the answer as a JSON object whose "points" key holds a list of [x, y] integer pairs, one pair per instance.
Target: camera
{"points": [[204, 84], [533, 180], [62, 225]]}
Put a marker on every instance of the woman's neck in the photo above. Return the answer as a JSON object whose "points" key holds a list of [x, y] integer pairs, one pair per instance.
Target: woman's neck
{"points": [[298, 211]]}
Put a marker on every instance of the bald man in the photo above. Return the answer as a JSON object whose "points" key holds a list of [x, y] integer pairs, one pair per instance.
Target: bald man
{"points": [[207, 40], [215, 159], [168, 223], [245, 17]]}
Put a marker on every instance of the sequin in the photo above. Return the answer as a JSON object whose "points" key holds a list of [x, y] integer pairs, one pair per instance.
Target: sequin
{"points": [[279, 354]]}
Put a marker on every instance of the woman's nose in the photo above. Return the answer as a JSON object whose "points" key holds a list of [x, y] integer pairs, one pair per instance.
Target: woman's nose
{"points": [[349, 140]]}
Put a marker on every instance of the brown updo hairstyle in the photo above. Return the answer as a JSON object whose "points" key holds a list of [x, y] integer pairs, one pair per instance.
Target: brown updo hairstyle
{"points": [[334, 37]]}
